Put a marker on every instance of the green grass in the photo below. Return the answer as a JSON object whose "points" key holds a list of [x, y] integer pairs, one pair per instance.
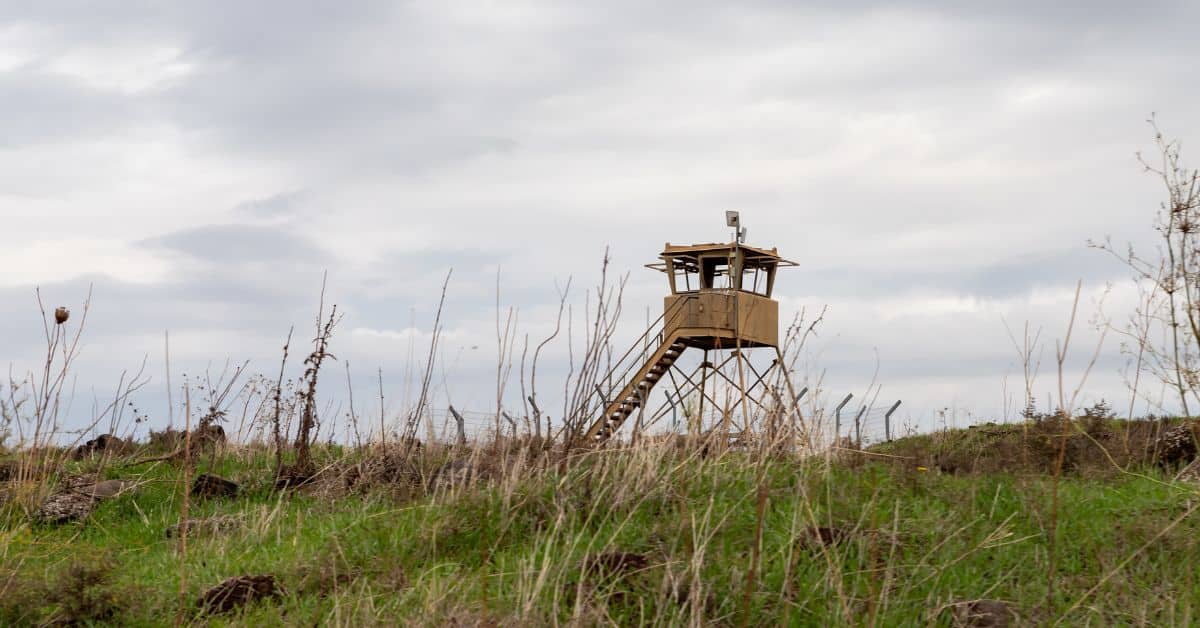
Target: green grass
{"points": [[516, 551]]}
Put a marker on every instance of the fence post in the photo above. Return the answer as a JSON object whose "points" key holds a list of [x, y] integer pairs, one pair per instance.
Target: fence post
{"points": [[858, 427], [887, 421], [462, 430], [837, 422]]}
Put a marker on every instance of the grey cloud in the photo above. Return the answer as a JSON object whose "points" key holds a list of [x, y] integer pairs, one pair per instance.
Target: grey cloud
{"points": [[530, 142], [236, 243], [36, 108], [1007, 278], [284, 204], [268, 91]]}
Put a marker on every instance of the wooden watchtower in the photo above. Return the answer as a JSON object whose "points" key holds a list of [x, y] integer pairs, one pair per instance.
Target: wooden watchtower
{"points": [[720, 300]]}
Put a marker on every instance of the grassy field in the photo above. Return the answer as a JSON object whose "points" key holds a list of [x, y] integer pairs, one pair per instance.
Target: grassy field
{"points": [[656, 535]]}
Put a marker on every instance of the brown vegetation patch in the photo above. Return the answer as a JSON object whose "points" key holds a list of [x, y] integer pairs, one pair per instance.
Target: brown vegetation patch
{"points": [[331, 573], [1091, 446], [815, 537], [323, 580], [457, 473], [380, 469], [983, 614], [206, 436], [472, 620], [208, 526], [615, 563], [293, 476], [80, 594], [9, 469], [611, 576]]}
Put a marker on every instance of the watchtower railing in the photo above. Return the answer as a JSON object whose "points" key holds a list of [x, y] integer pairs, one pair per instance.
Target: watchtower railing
{"points": [[619, 373]]}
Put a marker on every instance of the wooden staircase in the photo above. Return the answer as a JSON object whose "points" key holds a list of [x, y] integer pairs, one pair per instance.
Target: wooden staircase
{"points": [[636, 391]]}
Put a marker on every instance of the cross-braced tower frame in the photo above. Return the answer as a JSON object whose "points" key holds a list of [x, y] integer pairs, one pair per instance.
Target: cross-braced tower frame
{"points": [[720, 303]]}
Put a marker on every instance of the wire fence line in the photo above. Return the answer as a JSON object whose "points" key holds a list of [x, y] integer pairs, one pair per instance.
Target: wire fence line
{"points": [[865, 426]]}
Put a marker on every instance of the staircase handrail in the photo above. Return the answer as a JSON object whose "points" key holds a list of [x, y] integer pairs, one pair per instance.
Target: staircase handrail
{"points": [[620, 381]]}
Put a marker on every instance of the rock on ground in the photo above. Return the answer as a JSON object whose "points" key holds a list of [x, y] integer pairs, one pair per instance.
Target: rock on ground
{"points": [[64, 507], [78, 499], [1177, 445], [1190, 473]]}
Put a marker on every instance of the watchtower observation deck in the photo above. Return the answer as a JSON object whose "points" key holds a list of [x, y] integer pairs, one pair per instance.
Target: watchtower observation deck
{"points": [[721, 295]]}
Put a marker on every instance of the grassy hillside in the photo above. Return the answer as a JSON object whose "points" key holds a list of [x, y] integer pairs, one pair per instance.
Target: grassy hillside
{"points": [[657, 535]]}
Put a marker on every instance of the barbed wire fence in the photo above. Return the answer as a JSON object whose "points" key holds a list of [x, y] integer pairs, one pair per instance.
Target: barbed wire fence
{"points": [[865, 425], [855, 426]]}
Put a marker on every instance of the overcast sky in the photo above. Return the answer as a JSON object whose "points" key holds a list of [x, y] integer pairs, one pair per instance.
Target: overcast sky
{"points": [[935, 170]]}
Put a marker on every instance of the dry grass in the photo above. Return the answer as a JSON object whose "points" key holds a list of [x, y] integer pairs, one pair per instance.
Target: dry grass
{"points": [[658, 533]]}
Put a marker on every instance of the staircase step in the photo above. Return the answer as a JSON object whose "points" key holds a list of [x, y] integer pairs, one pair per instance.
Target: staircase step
{"points": [[619, 411]]}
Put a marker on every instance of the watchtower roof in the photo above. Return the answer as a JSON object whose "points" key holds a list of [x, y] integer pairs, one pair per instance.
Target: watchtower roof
{"points": [[689, 254]]}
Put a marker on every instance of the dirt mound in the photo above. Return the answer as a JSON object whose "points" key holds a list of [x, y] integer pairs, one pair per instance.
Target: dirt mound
{"points": [[206, 436], [237, 592], [207, 485], [104, 443]]}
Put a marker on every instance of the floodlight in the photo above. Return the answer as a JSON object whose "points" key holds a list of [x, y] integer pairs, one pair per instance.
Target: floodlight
{"points": [[732, 219]]}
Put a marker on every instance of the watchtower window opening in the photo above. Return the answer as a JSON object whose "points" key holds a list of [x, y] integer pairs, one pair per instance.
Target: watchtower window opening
{"points": [[714, 273], [758, 279], [683, 275]]}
